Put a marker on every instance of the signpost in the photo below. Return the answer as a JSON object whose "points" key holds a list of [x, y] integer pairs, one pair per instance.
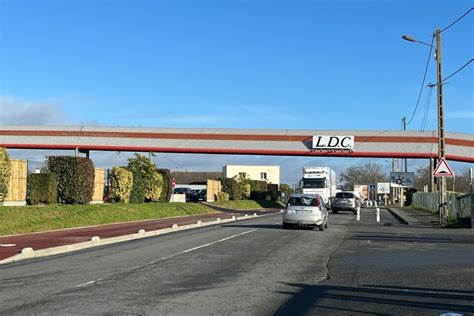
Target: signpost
{"points": [[402, 180], [327, 142]]}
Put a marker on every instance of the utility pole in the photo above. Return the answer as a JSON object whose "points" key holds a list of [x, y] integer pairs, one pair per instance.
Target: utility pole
{"points": [[441, 149], [404, 120]]}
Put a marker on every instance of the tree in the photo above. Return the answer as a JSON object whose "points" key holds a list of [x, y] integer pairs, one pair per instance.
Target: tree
{"points": [[152, 179], [5, 166], [422, 177], [286, 189], [368, 173]]}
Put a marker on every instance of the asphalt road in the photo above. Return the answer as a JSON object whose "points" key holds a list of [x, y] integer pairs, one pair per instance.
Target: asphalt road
{"points": [[254, 267]]}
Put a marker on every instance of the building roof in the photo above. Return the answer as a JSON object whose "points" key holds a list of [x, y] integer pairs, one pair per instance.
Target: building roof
{"points": [[195, 177]]}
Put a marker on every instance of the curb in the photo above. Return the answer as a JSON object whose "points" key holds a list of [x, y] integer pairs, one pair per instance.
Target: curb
{"points": [[95, 241], [398, 217]]}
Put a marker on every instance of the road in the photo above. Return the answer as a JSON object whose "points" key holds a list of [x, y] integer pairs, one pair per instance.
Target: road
{"points": [[254, 267]]}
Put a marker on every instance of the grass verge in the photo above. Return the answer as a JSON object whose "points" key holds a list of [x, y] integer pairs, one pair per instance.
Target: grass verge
{"points": [[28, 219], [249, 204]]}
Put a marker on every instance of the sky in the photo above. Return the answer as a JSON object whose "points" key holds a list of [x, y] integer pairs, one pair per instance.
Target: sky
{"points": [[232, 64]]}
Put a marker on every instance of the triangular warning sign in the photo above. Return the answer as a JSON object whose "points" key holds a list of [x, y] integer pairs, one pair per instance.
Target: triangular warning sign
{"points": [[443, 169]]}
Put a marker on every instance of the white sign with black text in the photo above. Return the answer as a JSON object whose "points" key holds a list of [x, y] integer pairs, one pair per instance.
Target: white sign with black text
{"points": [[327, 142]]}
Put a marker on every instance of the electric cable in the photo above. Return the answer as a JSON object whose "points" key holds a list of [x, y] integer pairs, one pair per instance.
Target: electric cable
{"points": [[422, 83], [447, 27], [461, 68]]}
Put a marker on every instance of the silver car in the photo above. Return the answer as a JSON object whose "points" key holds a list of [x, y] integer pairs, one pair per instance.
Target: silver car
{"points": [[305, 210], [346, 201]]}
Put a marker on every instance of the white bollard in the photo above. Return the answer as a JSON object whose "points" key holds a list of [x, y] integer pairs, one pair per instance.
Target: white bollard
{"points": [[358, 214], [378, 214]]}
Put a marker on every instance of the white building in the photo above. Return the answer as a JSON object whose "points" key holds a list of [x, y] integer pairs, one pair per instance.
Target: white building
{"points": [[271, 174]]}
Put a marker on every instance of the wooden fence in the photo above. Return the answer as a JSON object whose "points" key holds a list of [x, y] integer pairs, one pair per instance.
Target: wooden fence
{"points": [[99, 184], [17, 187], [213, 188]]}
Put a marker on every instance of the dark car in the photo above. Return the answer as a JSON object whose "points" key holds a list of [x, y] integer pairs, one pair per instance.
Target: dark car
{"points": [[346, 201], [198, 195]]}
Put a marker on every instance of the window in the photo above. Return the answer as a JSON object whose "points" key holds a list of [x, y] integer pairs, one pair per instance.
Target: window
{"points": [[242, 175], [263, 175]]}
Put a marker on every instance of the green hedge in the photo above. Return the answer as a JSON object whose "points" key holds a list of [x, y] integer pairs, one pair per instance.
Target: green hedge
{"points": [[259, 189], [75, 178], [167, 185], [42, 188], [5, 167], [138, 189], [273, 191], [232, 187], [121, 182]]}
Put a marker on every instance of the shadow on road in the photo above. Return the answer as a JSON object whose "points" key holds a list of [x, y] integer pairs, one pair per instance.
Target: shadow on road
{"points": [[373, 299]]}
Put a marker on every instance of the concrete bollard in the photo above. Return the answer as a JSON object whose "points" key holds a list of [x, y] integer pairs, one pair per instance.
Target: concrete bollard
{"points": [[378, 214], [175, 226], [254, 214], [358, 214], [28, 252], [199, 223], [95, 239], [246, 215], [234, 218], [218, 219], [141, 232]]}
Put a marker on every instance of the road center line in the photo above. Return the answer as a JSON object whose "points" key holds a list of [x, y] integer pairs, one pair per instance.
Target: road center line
{"points": [[208, 244]]}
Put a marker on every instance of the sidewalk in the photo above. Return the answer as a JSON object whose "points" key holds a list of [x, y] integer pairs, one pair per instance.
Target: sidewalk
{"points": [[12, 245], [414, 217]]}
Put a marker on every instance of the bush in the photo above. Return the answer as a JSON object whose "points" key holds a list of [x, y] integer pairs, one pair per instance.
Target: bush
{"points": [[138, 189], [258, 189], [42, 188], [231, 187], [121, 182], [152, 180], [5, 167], [75, 177], [167, 188], [222, 196], [273, 191]]}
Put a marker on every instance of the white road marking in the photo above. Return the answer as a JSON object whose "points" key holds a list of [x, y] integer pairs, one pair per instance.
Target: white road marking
{"points": [[207, 245], [7, 245], [171, 256]]}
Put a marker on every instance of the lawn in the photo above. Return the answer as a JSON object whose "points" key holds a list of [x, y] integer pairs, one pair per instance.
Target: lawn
{"points": [[248, 204], [17, 220]]}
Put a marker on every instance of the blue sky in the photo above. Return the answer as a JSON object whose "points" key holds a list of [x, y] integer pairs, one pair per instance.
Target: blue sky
{"points": [[234, 64]]}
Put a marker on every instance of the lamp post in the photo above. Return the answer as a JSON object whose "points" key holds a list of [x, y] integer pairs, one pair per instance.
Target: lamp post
{"points": [[441, 143]]}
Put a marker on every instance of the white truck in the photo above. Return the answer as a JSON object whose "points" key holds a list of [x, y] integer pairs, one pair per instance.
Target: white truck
{"points": [[319, 180]]}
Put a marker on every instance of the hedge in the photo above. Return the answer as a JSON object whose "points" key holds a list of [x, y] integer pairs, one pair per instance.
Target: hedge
{"points": [[5, 167], [138, 189], [121, 182], [232, 187], [259, 189], [152, 180], [75, 178], [167, 186], [273, 191], [42, 188]]}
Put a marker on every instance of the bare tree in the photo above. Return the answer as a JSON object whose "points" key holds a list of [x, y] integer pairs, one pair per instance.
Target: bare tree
{"points": [[368, 173]]}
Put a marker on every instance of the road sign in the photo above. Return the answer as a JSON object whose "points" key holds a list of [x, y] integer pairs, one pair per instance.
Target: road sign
{"points": [[372, 187], [383, 187], [173, 183], [401, 179], [443, 169]]}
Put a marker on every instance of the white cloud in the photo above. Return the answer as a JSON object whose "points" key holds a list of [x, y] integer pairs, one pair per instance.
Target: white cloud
{"points": [[17, 111]]}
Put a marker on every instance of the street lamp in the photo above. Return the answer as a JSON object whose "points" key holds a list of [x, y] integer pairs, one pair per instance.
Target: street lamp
{"points": [[441, 142]]}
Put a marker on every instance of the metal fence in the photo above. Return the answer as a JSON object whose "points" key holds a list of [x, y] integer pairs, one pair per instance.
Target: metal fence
{"points": [[458, 204]]}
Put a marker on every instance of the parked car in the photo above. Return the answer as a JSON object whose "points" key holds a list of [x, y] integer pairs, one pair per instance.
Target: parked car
{"points": [[186, 191], [305, 210], [346, 201], [198, 195]]}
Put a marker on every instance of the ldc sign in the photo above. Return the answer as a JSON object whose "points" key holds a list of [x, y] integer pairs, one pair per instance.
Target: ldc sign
{"points": [[327, 142]]}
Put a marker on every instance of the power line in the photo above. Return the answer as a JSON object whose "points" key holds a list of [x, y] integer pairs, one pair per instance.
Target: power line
{"points": [[464, 66], [423, 82], [447, 27]]}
